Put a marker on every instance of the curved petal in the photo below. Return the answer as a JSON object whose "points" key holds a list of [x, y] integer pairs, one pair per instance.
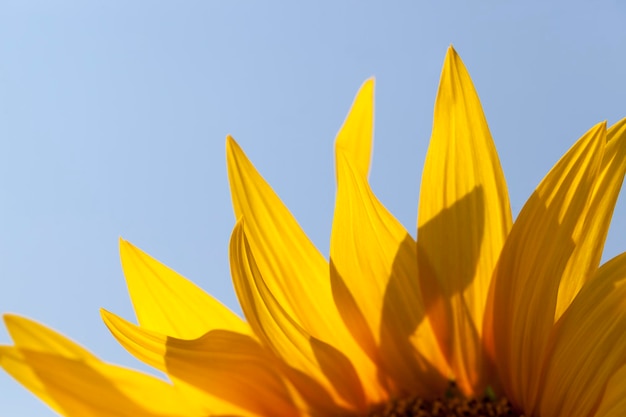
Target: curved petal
{"points": [[76, 384], [355, 136], [169, 303], [531, 267], [463, 220], [293, 270], [374, 257], [591, 233], [588, 345], [277, 329], [224, 365]]}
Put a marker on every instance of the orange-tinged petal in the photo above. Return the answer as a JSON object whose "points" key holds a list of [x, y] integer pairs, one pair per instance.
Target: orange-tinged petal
{"points": [[76, 383], [613, 402], [375, 258], [278, 330], [533, 260], [591, 233], [463, 220], [588, 345], [224, 365], [355, 136], [169, 303]]}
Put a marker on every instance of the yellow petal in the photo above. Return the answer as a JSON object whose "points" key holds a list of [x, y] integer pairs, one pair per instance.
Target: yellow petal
{"points": [[75, 384], [28, 334], [591, 232], [226, 366], [613, 403], [533, 260], [355, 136], [289, 262], [463, 220], [168, 303], [375, 258], [293, 270], [277, 329], [588, 345]]}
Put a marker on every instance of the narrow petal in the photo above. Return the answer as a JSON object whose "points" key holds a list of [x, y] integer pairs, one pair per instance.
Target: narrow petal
{"points": [[532, 265], [278, 330], [169, 303], [76, 388], [289, 262], [588, 345], [30, 335], [591, 232], [463, 220], [355, 136], [293, 270], [77, 384], [375, 258], [222, 364]]}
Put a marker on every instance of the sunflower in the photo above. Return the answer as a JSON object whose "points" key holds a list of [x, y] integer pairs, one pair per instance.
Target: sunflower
{"points": [[478, 316]]}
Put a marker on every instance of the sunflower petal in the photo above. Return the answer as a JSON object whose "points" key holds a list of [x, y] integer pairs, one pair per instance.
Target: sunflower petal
{"points": [[293, 270], [355, 136], [75, 384], [588, 345], [30, 335], [533, 260], [368, 242], [613, 402], [222, 364], [278, 330], [169, 303], [282, 250], [591, 233], [462, 222]]}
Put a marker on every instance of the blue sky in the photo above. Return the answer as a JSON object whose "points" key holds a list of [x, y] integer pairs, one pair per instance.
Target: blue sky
{"points": [[113, 118]]}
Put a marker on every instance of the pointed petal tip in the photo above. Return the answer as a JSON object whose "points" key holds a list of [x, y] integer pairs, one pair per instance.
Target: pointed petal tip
{"points": [[231, 143], [11, 320]]}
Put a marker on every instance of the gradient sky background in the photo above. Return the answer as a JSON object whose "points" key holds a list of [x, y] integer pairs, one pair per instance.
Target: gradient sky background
{"points": [[113, 117]]}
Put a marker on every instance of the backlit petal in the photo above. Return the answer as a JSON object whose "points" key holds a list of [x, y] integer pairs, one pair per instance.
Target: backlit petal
{"points": [[588, 345], [367, 241], [355, 136], [533, 261], [278, 330], [463, 220], [222, 364], [613, 402], [293, 270], [77, 384], [591, 232], [169, 303]]}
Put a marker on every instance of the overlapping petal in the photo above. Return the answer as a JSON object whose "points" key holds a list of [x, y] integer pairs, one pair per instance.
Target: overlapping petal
{"points": [[52, 366], [367, 241], [169, 303], [531, 266], [587, 348], [463, 220], [221, 364]]}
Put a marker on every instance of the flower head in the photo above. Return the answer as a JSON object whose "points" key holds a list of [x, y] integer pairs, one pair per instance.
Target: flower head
{"points": [[520, 310]]}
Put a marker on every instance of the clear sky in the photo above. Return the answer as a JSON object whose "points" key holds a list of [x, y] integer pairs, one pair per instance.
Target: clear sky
{"points": [[113, 117]]}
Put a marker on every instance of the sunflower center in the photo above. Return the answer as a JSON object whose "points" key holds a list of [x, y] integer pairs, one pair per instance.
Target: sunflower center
{"points": [[447, 406]]}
